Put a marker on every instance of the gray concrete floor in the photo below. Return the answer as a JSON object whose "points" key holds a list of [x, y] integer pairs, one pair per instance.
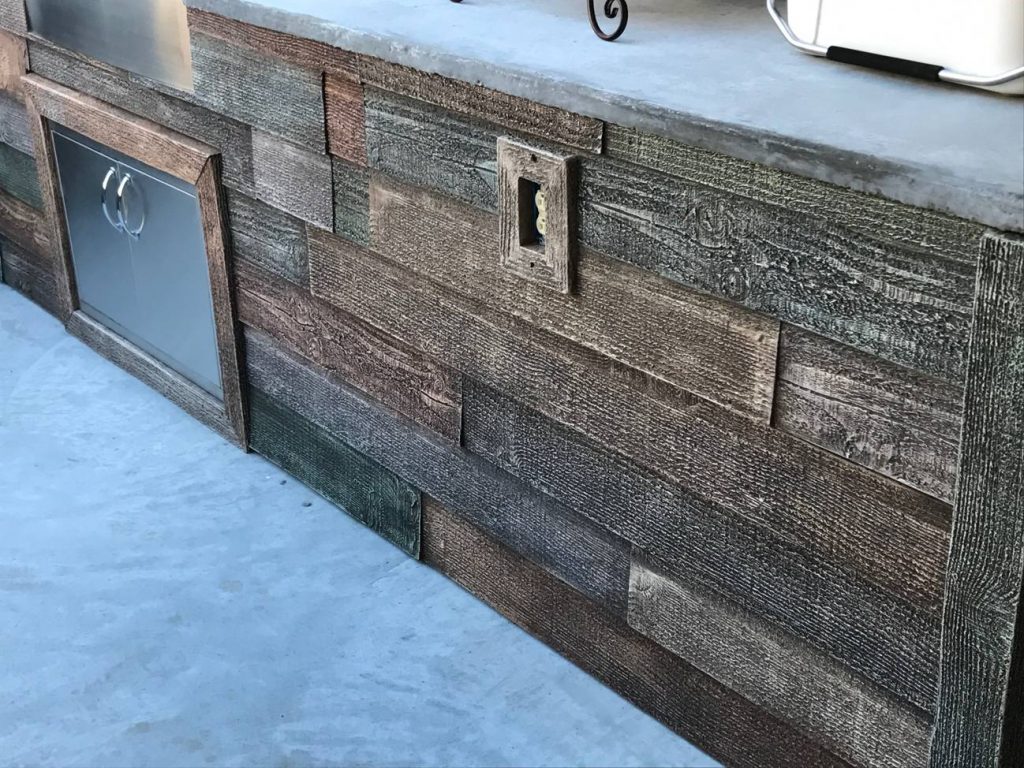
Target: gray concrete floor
{"points": [[166, 600]]}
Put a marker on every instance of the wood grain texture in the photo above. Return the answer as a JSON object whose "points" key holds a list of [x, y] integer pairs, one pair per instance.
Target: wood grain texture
{"points": [[380, 500], [18, 176], [351, 201], [396, 375], [190, 398], [904, 304], [346, 118], [884, 638], [701, 710], [512, 112], [14, 129], [137, 95], [12, 16], [703, 345], [293, 179], [869, 215], [558, 540], [25, 226], [260, 90], [13, 61], [983, 605], [268, 238], [798, 684], [135, 136], [28, 273], [891, 534], [888, 418]]}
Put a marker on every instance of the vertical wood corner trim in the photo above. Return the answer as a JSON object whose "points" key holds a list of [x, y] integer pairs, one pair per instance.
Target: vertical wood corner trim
{"points": [[13, 61], [980, 680]]}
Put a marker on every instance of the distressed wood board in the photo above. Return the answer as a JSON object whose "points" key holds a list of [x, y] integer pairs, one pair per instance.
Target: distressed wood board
{"points": [[293, 179], [268, 238]]}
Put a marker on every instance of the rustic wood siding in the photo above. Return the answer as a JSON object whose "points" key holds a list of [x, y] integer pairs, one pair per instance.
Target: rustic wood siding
{"points": [[18, 176], [293, 179], [268, 238]]}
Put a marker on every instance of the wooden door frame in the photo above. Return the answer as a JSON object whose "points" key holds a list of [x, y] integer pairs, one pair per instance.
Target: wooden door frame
{"points": [[181, 157]]}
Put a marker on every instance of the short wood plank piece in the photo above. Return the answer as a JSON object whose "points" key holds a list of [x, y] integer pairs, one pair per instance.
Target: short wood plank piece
{"points": [[982, 684], [13, 61], [14, 129], [890, 419], [294, 179], [268, 238], [512, 112], [704, 345], [384, 368], [378, 499], [705, 712], [30, 273], [796, 683], [18, 176], [351, 201], [564, 544], [25, 226], [346, 120], [12, 16], [529, 178]]}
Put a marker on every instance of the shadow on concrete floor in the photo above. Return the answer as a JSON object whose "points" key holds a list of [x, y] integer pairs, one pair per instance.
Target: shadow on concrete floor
{"points": [[166, 600]]}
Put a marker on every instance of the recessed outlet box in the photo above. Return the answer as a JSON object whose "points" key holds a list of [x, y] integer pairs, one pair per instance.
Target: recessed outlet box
{"points": [[536, 206]]}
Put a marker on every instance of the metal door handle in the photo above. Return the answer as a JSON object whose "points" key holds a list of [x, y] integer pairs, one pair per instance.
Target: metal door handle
{"points": [[122, 208], [119, 224]]}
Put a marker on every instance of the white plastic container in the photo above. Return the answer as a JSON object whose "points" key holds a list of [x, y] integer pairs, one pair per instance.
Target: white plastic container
{"points": [[975, 37]]}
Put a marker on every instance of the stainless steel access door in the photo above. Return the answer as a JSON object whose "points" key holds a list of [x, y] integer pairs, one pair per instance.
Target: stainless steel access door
{"points": [[139, 255]]}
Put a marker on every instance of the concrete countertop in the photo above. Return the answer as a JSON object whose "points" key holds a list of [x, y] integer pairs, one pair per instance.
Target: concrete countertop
{"points": [[712, 73]]}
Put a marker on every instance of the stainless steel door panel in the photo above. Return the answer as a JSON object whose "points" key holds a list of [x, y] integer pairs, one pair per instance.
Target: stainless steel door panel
{"points": [[145, 36]]}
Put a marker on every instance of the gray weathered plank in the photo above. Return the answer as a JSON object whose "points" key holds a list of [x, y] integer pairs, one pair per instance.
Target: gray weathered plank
{"points": [[137, 95], [12, 16], [29, 273], [888, 640], [706, 346], [268, 238], [904, 304], [377, 498], [890, 419], [518, 114], [351, 201], [697, 707], [796, 683], [893, 535], [14, 129], [983, 621], [18, 176], [293, 179], [565, 544], [260, 90], [384, 368]]}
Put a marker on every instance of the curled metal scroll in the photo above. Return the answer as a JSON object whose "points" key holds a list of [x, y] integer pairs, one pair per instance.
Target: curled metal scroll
{"points": [[612, 9]]}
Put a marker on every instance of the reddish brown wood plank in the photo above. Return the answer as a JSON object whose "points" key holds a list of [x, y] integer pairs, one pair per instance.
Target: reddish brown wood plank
{"points": [[24, 225], [346, 119]]}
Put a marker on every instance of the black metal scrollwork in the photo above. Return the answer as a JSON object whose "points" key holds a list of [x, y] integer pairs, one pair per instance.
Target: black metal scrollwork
{"points": [[612, 9]]}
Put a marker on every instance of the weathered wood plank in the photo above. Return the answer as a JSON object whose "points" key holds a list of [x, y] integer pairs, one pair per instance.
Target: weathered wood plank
{"points": [[870, 215], [293, 179], [18, 176], [833, 706], [901, 303], [711, 348], [29, 274], [12, 16], [982, 621], [14, 129], [136, 95], [260, 90], [380, 500], [13, 61], [346, 120], [268, 238], [880, 636], [561, 542], [551, 123], [384, 368], [888, 418], [351, 201], [701, 710], [25, 226], [891, 534]]}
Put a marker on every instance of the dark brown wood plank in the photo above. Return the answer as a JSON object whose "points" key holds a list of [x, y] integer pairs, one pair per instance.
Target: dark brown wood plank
{"points": [[14, 129], [18, 176], [293, 179], [902, 303], [773, 670], [891, 534], [346, 120], [393, 373], [29, 274], [711, 348], [268, 238], [351, 201], [888, 418], [561, 542], [701, 710], [25, 226], [884, 638], [982, 618], [378, 499], [551, 123], [13, 60], [137, 95]]}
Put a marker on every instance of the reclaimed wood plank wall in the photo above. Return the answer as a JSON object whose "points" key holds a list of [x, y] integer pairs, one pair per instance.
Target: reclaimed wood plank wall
{"points": [[719, 474]]}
